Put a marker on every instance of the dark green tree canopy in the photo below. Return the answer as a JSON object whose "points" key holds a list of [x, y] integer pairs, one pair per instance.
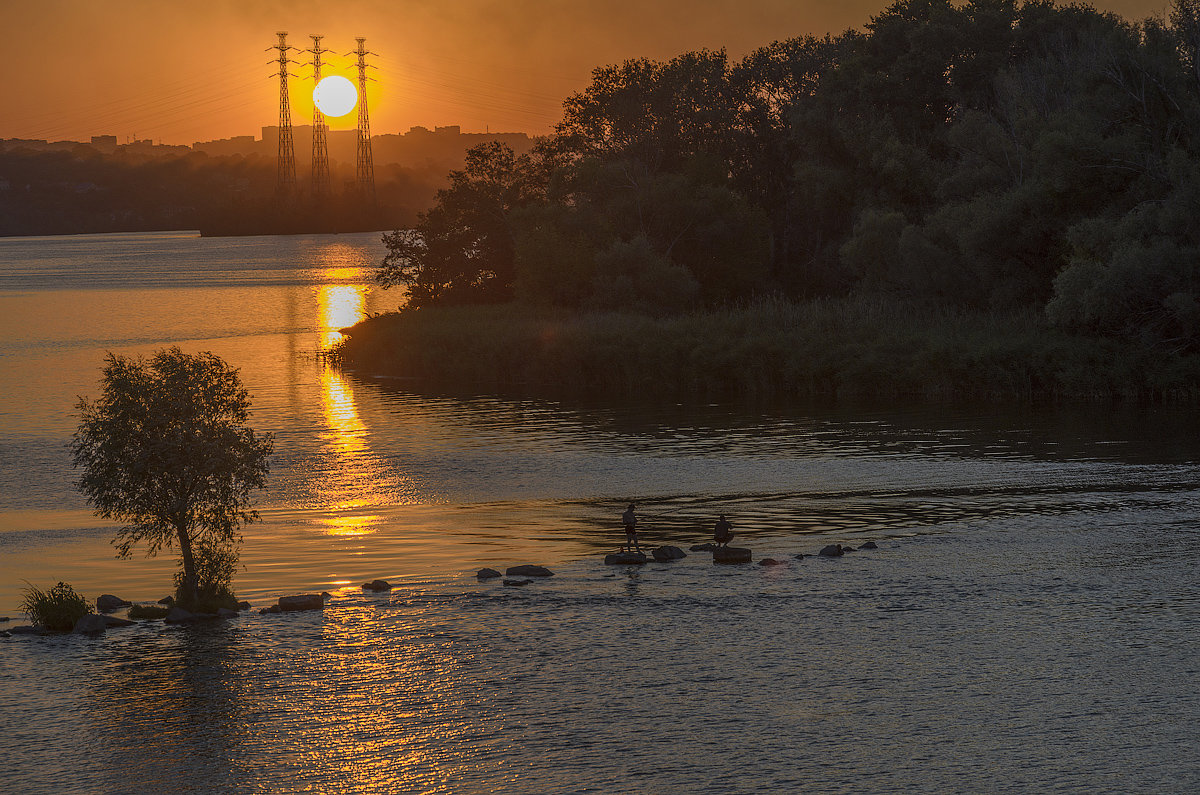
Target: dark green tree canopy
{"points": [[949, 152], [166, 450]]}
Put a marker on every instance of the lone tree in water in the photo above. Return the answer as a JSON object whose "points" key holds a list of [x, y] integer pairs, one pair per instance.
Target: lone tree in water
{"points": [[166, 450]]}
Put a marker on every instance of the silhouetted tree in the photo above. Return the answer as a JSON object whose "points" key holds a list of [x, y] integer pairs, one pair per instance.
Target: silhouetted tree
{"points": [[166, 449]]}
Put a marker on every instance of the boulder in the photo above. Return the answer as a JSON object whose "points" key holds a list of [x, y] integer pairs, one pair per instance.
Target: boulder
{"points": [[308, 601], [178, 615], [25, 629], [848, 549], [377, 586], [225, 612], [664, 554], [771, 562], [508, 581], [108, 602], [271, 609], [243, 605], [831, 551], [167, 600], [113, 621], [624, 559], [869, 545], [487, 574], [91, 624], [528, 571], [731, 555], [702, 547]]}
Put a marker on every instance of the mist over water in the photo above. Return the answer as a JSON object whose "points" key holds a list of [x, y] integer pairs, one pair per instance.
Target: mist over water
{"points": [[1026, 625]]}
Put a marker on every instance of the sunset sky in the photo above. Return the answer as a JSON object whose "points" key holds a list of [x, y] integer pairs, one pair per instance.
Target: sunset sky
{"points": [[155, 69]]}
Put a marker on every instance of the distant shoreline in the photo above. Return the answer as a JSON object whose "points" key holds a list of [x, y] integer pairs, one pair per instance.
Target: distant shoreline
{"points": [[770, 348]]}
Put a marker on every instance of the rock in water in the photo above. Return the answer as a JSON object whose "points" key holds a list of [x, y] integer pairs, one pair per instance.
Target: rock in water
{"points": [[308, 601], [770, 562], [625, 559], [869, 545], [516, 582], [109, 602], [663, 554], [487, 574], [528, 571], [377, 585], [179, 616], [91, 624], [831, 551], [731, 555], [703, 547]]}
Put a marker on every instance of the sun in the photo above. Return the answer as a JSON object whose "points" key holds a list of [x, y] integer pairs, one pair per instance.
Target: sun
{"points": [[335, 96]]}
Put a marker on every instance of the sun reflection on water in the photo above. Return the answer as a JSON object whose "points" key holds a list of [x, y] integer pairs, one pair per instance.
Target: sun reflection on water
{"points": [[340, 305]]}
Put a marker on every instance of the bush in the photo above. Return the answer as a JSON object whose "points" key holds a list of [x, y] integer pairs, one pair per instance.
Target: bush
{"points": [[148, 611], [57, 609]]}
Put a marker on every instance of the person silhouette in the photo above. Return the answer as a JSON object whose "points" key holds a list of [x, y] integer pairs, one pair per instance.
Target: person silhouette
{"points": [[722, 532], [629, 519]]}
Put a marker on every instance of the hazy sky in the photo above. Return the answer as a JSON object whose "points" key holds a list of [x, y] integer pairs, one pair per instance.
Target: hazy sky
{"points": [[181, 71]]}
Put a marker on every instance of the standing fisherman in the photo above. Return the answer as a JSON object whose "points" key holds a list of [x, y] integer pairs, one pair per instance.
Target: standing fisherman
{"points": [[722, 532], [629, 518]]}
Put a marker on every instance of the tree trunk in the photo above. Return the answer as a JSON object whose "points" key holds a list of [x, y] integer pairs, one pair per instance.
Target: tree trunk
{"points": [[187, 589]]}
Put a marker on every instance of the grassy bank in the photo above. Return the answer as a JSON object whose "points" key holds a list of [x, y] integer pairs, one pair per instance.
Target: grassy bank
{"points": [[829, 347]]}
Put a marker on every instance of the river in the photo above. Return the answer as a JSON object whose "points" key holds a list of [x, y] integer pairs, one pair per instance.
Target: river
{"points": [[1028, 623]]}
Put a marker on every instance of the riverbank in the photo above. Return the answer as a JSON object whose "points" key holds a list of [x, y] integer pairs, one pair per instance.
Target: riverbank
{"points": [[845, 347]]}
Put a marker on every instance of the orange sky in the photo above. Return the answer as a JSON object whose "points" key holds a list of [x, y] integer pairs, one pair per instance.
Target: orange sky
{"points": [[179, 72]]}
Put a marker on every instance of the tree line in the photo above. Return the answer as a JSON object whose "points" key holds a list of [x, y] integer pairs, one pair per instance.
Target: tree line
{"points": [[988, 154]]}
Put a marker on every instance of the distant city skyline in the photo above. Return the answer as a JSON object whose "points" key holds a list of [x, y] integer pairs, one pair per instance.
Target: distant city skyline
{"points": [[147, 70]]}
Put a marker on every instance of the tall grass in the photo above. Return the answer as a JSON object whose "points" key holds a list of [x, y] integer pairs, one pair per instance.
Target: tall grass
{"points": [[57, 609], [851, 346]]}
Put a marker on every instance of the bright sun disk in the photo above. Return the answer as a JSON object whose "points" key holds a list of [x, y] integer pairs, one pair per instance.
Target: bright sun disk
{"points": [[335, 96]]}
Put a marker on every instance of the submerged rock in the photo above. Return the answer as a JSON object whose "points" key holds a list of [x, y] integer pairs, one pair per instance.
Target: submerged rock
{"points": [[377, 585], [771, 562], [663, 554], [271, 609], [308, 601], [831, 551], [528, 570], [731, 555], [108, 602], [487, 574], [702, 547], [508, 581], [624, 559], [869, 545], [91, 624]]}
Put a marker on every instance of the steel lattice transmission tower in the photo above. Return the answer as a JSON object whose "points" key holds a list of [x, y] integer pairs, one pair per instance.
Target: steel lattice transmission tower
{"points": [[285, 178], [320, 147], [366, 161]]}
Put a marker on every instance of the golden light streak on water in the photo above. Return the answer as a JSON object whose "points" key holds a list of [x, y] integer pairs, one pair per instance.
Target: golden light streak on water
{"points": [[351, 525], [339, 306]]}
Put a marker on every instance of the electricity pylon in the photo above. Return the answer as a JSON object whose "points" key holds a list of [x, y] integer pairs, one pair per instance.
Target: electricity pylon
{"points": [[320, 147], [285, 177], [366, 161]]}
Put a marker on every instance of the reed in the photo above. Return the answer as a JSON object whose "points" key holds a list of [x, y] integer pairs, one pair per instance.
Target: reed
{"points": [[771, 346]]}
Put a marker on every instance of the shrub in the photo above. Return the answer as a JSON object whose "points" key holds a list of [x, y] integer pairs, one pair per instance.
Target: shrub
{"points": [[57, 609], [148, 611]]}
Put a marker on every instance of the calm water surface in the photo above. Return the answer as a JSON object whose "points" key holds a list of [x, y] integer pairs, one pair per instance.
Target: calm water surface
{"points": [[1028, 624]]}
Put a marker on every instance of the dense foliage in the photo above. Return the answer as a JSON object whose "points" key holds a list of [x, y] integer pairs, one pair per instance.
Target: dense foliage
{"points": [[988, 154], [58, 609], [166, 449]]}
